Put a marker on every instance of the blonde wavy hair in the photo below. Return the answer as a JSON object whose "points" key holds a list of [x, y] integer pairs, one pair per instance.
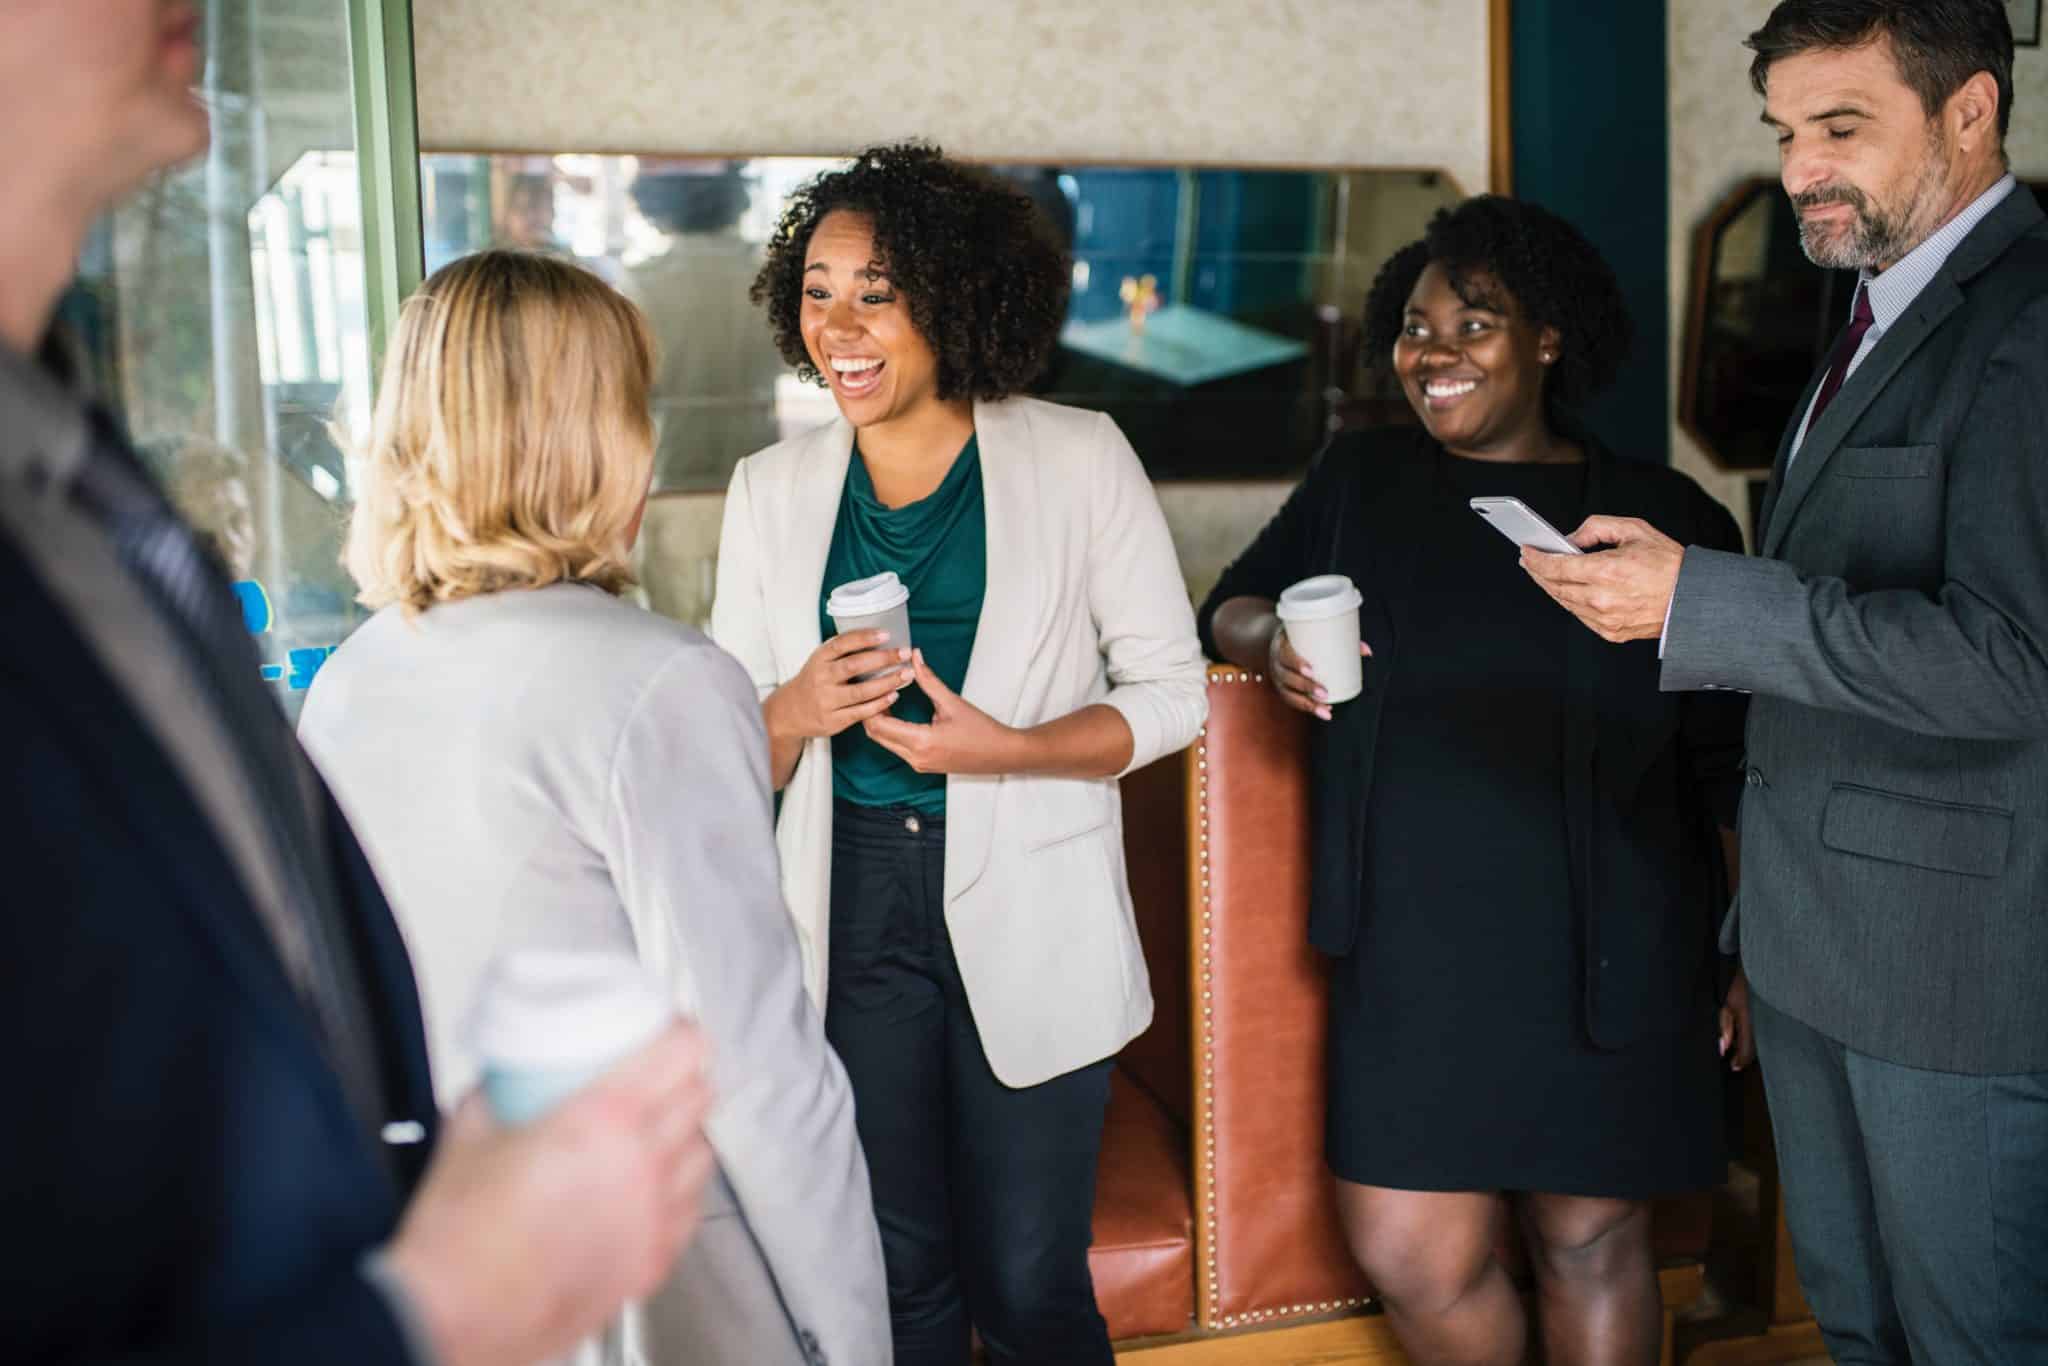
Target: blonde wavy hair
{"points": [[512, 443]]}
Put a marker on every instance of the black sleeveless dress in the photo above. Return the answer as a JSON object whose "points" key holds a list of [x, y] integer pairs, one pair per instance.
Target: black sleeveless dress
{"points": [[1459, 1058]]}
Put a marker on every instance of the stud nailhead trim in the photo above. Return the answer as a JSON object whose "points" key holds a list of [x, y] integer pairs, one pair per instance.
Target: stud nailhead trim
{"points": [[1208, 1108]]}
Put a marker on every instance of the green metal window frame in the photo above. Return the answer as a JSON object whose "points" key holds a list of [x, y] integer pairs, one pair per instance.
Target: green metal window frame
{"points": [[387, 160]]}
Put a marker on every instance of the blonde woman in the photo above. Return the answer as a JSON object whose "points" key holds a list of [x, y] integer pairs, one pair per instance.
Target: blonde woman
{"points": [[950, 829], [532, 762]]}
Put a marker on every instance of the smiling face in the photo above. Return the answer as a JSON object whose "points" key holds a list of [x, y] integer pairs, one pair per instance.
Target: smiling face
{"points": [[857, 327], [1473, 371], [1870, 174]]}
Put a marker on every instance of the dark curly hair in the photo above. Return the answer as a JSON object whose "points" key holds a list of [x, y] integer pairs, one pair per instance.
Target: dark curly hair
{"points": [[976, 263], [1541, 262]]}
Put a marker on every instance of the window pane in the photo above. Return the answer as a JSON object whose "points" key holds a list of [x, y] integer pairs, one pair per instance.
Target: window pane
{"points": [[223, 313]]}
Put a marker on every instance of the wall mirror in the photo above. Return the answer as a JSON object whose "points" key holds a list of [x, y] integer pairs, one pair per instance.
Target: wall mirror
{"points": [[1212, 313], [1761, 318]]}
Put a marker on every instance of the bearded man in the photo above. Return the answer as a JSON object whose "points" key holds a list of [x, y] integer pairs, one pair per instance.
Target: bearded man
{"points": [[1893, 914]]}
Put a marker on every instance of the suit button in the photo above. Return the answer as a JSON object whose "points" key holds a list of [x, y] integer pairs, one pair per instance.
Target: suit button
{"points": [[1755, 778], [912, 824]]}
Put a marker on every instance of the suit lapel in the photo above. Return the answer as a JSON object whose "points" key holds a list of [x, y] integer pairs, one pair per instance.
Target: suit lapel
{"points": [[1939, 299], [1767, 509], [396, 1017], [1000, 661], [82, 701], [816, 480], [1793, 476]]}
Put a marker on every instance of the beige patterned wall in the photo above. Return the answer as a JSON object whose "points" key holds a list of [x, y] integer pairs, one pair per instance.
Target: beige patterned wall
{"points": [[1287, 82], [1716, 142], [1324, 82]]}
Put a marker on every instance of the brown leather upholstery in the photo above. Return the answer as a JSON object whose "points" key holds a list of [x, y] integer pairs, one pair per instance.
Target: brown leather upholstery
{"points": [[1156, 853], [1268, 1245], [1143, 1258], [1249, 1003]]}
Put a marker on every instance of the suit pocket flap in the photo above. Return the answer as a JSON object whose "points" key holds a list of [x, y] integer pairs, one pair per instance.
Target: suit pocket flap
{"points": [[1886, 462], [1945, 836]]}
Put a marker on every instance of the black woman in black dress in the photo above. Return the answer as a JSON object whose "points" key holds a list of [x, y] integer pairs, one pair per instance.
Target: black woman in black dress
{"points": [[1517, 867]]}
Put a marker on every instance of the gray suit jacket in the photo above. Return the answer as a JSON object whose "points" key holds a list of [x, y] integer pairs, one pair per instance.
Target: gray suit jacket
{"points": [[1895, 632], [557, 768]]}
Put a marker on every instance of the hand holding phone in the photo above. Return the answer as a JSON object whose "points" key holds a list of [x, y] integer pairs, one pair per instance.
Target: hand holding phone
{"points": [[1520, 523]]}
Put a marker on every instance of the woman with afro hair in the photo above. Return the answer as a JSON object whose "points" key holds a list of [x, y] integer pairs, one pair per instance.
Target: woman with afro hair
{"points": [[949, 824], [1515, 863]]}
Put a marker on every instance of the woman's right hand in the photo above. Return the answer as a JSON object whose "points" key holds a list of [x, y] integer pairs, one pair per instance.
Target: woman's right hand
{"points": [[1295, 679], [823, 699]]}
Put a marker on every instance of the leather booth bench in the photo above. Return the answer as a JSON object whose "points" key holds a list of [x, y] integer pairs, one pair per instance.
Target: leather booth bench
{"points": [[1213, 1211]]}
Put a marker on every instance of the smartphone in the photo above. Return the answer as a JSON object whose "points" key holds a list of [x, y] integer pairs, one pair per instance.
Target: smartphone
{"points": [[1520, 523]]}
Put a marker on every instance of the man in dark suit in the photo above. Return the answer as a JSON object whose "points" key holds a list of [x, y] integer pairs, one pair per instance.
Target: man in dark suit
{"points": [[220, 1143], [1894, 631]]}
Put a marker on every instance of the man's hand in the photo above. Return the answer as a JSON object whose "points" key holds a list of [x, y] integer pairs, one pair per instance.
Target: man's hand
{"points": [[521, 1242], [1623, 593], [961, 738]]}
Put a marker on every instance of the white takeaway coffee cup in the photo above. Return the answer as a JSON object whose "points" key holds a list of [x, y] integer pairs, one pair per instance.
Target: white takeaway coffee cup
{"points": [[1321, 617], [880, 602], [549, 1022]]}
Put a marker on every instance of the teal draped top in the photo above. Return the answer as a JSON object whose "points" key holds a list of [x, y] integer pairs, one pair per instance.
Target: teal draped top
{"points": [[938, 547]]}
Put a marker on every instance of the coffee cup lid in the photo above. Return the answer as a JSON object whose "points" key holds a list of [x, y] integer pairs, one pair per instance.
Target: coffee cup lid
{"points": [[1325, 595], [865, 597], [558, 1008]]}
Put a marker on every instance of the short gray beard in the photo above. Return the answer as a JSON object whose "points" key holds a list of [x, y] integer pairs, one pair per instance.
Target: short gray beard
{"points": [[1878, 235]]}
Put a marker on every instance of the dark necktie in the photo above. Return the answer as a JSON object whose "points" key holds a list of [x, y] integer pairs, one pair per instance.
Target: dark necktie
{"points": [[1845, 351], [192, 595]]}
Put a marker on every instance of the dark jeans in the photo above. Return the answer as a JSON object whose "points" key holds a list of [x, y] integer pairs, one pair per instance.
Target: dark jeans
{"points": [[1917, 1201], [984, 1193]]}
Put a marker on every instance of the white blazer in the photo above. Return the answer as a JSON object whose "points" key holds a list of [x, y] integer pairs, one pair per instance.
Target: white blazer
{"points": [[1085, 604], [557, 768]]}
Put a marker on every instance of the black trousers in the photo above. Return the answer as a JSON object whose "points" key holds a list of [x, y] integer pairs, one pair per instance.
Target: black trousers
{"points": [[984, 1192], [1917, 1201]]}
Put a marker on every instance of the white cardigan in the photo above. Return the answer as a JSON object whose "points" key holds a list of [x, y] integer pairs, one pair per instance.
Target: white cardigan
{"points": [[557, 768], [1084, 604]]}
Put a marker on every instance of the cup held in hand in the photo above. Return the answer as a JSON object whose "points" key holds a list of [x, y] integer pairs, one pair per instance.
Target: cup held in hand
{"points": [[548, 1023], [1321, 617], [880, 602]]}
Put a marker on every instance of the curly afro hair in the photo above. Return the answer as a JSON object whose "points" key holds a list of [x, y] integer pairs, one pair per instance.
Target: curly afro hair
{"points": [[974, 260], [1540, 262]]}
